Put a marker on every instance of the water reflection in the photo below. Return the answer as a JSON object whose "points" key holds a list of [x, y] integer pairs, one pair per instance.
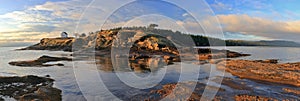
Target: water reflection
{"points": [[143, 65]]}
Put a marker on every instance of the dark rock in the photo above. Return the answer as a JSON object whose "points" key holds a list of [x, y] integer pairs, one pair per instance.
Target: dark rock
{"points": [[40, 62], [28, 88], [273, 61], [206, 54], [43, 94]]}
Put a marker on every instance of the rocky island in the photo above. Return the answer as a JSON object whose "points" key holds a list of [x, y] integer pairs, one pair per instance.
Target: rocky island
{"points": [[144, 45], [40, 62]]}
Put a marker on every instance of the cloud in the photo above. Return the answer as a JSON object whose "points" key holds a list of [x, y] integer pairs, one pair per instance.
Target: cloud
{"points": [[46, 20], [260, 26], [26, 36], [49, 19]]}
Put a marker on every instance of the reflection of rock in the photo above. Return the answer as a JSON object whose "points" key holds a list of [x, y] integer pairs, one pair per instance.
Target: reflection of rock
{"points": [[40, 62], [287, 73], [104, 64], [28, 88], [136, 65], [147, 64], [169, 92]]}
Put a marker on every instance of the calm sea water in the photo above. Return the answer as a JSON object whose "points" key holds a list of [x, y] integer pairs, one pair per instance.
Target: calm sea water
{"points": [[84, 79]]}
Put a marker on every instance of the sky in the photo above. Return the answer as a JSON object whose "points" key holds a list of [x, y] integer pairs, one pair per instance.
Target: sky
{"points": [[24, 21]]}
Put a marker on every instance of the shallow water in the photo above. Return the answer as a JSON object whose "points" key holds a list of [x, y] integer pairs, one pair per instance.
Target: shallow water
{"points": [[99, 80]]}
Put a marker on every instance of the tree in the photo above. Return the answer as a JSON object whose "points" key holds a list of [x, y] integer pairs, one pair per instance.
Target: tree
{"points": [[91, 33], [152, 26], [83, 35]]}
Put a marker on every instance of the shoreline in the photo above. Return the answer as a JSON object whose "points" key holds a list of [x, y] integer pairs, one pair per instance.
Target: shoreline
{"points": [[286, 73], [139, 59]]}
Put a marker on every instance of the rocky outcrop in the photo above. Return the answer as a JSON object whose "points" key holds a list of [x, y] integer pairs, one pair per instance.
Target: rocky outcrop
{"points": [[140, 44], [40, 62], [29, 88], [264, 70], [206, 53], [44, 93], [53, 44]]}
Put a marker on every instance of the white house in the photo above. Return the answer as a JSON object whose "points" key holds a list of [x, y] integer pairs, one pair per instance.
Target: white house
{"points": [[64, 35]]}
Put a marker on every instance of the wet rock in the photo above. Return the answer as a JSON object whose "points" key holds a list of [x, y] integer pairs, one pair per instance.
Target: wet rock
{"points": [[169, 92], [40, 62], [232, 84], [29, 88], [43, 94]]}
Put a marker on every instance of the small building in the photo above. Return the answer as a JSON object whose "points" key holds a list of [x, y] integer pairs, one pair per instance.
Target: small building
{"points": [[64, 35]]}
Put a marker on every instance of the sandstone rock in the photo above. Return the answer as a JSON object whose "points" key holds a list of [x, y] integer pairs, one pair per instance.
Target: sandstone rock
{"points": [[54, 44], [264, 71], [253, 98]]}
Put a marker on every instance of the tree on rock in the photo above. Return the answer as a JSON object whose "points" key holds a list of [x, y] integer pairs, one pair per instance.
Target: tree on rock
{"points": [[83, 35], [152, 26]]}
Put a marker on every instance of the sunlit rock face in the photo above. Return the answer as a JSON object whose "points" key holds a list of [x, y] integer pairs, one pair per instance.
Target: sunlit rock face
{"points": [[264, 70], [55, 44], [145, 55]]}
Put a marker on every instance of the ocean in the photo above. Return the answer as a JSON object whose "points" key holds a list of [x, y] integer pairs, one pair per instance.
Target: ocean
{"points": [[82, 80]]}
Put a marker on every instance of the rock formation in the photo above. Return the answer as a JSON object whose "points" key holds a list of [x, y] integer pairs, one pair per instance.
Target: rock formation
{"points": [[29, 88], [53, 44], [264, 70], [40, 62]]}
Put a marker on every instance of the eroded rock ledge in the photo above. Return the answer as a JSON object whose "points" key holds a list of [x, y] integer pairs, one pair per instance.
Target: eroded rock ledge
{"points": [[264, 70], [29, 88], [53, 44], [40, 62]]}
